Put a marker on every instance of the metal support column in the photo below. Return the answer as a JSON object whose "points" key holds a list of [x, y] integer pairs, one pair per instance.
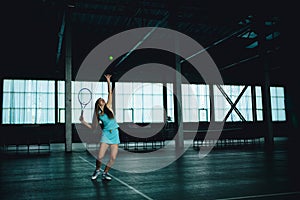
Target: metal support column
{"points": [[56, 102], [173, 20], [179, 139], [212, 103], [68, 81], [253, 97], [266, 96], [267, 112], [165, 102]]}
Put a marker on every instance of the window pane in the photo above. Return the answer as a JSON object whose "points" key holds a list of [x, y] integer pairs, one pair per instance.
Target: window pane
{"points": [[128, 115], [25, 101], [147, 88], [258, 91], [119, 101], [273, 91], [274, 115], [280, 92], [127, 88], [274, 102], [138, 101], [157, 114], [147, 101], [194, 99], [119, 115], [192, 89], [157, 88], [7, 85], [138, 88], [259, 114], [185, 115], [138, 115], [203, 115], [42, 86], [281, 115], [61, 86], [158, 101], [142, 98], [194, 115], [258, 102], [148, 115], [18, 85], [280, 103], [6, 100], [128, 101], [277, 103]]}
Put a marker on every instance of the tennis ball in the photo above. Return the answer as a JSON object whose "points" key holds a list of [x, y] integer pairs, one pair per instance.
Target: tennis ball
{"points": [[110, 57]]}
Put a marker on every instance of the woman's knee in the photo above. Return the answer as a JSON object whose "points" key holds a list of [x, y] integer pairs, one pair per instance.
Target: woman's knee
{"points": [[100, 157], [113, 158]]}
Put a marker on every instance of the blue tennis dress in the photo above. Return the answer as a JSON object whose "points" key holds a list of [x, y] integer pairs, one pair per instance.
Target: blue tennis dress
{"points": [[110, 132]]}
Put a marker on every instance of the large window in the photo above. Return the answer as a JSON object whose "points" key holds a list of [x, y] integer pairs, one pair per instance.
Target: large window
{"points": [[195, 103], [33, 102], [277, 104], [98, 89], [28, 102], [139, 102], [222, 106]]}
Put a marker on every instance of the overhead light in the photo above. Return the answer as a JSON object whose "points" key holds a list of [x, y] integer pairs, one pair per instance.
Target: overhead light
{"points": [[71, 6], [71, 3]]}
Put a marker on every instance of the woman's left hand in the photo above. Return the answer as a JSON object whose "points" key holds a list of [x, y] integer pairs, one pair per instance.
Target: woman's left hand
{"points": [[108, 76]]}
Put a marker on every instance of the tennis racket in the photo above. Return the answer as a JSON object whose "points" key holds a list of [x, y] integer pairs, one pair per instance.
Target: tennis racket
{"points": [[84, 98]]}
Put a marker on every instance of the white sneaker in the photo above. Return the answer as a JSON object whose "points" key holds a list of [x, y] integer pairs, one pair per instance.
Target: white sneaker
{"points": [[106, 177], [95, 174]]}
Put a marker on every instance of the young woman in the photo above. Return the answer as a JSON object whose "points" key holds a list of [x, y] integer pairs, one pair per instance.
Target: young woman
{"points": [[110, 133]]}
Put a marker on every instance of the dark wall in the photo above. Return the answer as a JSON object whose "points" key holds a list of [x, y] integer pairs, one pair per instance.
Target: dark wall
{"points": [[33, 134]]}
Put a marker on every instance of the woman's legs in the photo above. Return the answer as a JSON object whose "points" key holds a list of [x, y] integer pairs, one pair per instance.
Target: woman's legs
{"points": [[113, 156], [101, 153], [103, 148]]}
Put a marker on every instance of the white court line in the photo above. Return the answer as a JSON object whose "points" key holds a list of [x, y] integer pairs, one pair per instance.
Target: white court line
{"points": [[262, 195], [120, 181]]}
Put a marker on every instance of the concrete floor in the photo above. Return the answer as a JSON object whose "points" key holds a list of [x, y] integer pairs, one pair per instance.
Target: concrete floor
{"points": [[244, 172]]}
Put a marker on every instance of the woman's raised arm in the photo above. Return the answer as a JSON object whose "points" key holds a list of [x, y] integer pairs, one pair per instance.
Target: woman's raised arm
{"points": [[109, 99]]}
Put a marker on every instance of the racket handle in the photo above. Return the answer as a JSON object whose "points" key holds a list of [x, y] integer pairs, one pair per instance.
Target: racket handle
{"points": [[81, 112]]}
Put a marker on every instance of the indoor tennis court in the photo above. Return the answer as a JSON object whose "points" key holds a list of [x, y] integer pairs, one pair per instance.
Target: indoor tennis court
{"points": [[157, 100]]}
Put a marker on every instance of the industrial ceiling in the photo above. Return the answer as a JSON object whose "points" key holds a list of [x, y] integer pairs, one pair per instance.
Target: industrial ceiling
{"points": [[34, 35]]}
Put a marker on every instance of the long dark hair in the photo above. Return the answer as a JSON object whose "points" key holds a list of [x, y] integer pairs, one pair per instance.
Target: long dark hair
{"points": [[106, 110], [96, 113]]}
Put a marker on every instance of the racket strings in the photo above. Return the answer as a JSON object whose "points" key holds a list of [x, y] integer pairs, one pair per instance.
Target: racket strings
{"points": [[84, 96]]}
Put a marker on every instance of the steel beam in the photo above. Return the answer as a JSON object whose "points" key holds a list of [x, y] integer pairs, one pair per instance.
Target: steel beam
{"points": [[60, 37]]}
